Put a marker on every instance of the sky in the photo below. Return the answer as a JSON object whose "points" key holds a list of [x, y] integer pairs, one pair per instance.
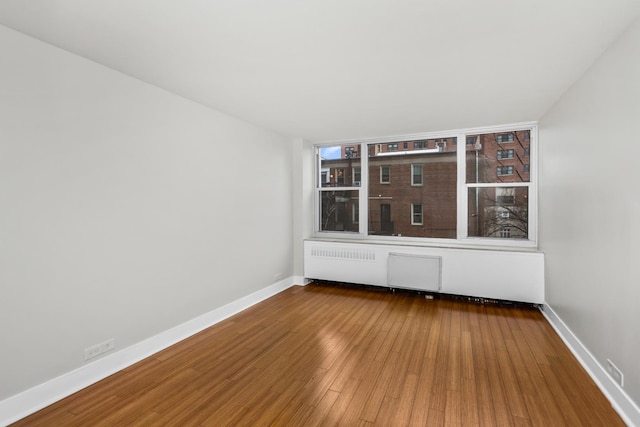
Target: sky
{"points": [[330, 152]]}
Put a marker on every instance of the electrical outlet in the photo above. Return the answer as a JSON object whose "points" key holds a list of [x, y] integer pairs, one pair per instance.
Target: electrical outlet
{"points": [[277, 277], [615, 373], [98, 349]]}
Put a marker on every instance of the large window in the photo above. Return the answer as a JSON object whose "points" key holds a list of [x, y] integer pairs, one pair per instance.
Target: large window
{"points": [[431, 188]]}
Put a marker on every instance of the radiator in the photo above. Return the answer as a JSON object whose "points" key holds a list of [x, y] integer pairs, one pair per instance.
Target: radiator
{"points": [[421, 272]]}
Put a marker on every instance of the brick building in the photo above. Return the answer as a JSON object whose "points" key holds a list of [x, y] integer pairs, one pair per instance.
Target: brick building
{"points": [[413, 184]]}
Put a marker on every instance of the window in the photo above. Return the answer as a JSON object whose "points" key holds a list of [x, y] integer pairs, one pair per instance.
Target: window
{"points": [[385, 174], [504, 170], [416, 214], [505, 233], [420, 144], [505, 154], [505, 137], [357, 176], [416, 174], [475, 193], [405, 145]]}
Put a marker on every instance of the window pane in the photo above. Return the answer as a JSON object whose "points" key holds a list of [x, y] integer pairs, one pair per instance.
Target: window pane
{"points": [[498, 157], [416, 175], [501, 212], [412, 192], [340, 166], [337, 210]]}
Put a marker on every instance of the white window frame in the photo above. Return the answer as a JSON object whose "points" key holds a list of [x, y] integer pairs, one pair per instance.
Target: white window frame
{"points": [[389, 174], [462, 239], [413, 213], [417, 184]]}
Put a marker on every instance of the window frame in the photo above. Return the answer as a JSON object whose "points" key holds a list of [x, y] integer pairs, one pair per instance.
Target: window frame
{"points": [[413, 175], [413, 213], [462, 238], [381, 174]]}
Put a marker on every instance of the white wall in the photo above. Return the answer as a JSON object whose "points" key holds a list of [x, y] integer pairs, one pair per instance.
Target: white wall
{"points": [[590, 208], [303, 200], [124, 210]]}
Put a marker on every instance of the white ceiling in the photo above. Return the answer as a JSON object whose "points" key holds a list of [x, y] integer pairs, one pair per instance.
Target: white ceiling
{"points": [[334, 69]]}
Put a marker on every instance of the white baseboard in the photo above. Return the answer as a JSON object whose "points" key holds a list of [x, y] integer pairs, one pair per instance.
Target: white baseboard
{"points": [[620, 400], [29, 401]]}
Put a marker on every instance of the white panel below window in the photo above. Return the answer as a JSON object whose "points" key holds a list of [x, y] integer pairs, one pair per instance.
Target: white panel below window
{"points": [[506, 275]]}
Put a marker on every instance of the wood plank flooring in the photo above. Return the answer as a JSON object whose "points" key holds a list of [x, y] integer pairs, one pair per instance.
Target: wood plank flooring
{"points": [[336, 355]]}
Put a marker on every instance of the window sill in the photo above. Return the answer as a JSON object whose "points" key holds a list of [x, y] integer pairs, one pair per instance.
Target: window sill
{"points": [[468, 243]]}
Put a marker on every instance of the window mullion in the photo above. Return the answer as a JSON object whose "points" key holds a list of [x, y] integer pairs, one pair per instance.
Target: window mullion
{"points": [[363, 192], [462, 191]]}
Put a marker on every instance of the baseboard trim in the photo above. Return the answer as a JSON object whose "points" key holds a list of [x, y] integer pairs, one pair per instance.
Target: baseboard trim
{"points": [[301, 280], [29, 401], [619, 399]]}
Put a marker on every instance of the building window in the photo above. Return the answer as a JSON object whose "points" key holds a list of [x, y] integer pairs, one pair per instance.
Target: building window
{"points": [[504, 137], [392, 147], [357, 176], [416, 174], [504, 170], [505, 154], [405, 145], [385, 174], [470, 192], [416, 214], [420, 144], [505, 233], [525, 152]]}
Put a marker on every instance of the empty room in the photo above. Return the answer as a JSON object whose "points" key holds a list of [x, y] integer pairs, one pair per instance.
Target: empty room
{"points": [[347, 213]]}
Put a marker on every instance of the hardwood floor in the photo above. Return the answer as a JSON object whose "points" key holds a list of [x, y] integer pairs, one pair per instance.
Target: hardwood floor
{"points": [[333, 355]]}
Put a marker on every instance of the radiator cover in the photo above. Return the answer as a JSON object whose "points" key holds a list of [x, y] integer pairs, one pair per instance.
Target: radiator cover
{"points": [[507, 275]]}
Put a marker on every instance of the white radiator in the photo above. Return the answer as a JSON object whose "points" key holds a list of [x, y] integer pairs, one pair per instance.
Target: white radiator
{"points": [[421, 272], [507, 275]]}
